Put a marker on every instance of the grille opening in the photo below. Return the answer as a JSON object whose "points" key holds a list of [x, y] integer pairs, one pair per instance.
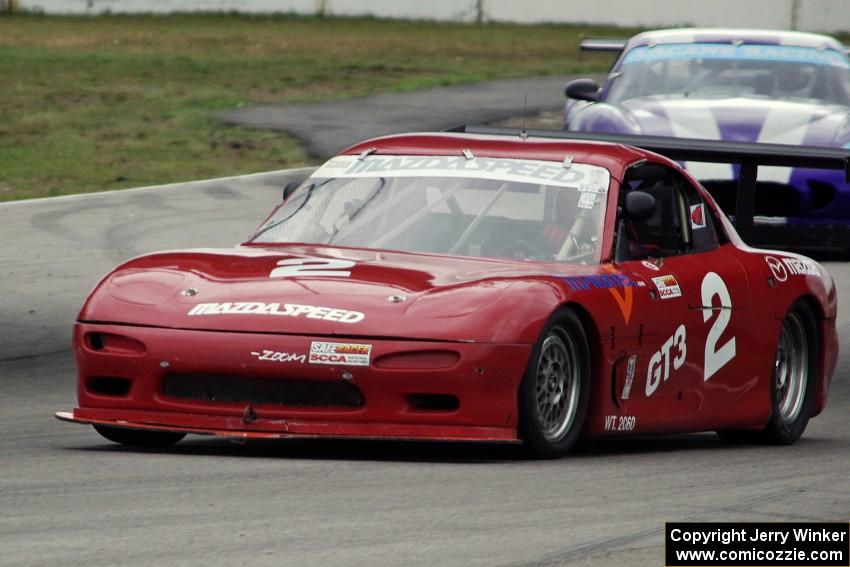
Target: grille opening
{"points": [[433, 402], [108, 385], [218, 388], [418, 360], [114, 344], [772, 199], [96, 341]]}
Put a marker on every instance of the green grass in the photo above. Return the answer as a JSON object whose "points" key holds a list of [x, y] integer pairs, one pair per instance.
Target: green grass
{"points": [[91, 104]]}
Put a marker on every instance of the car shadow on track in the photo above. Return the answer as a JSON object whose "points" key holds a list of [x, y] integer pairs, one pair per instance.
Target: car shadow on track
{"points": [[429, 452]]}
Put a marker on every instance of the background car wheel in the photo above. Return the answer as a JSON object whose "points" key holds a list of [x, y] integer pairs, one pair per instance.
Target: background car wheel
{"points": [[792, 388], [138, 437], [555, 389]]}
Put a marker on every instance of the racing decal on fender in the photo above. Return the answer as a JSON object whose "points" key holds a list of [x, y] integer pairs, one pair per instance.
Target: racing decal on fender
{"points": [[777, 268], [781, 268], [611, 282], [274, 309], [800, 267], [697, 216], [602, 281], [667, 286], [659, 365], [276, 356], [343, 354]]}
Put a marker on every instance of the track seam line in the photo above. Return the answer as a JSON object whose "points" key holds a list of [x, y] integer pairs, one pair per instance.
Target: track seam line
{"points": [[294, 171]]}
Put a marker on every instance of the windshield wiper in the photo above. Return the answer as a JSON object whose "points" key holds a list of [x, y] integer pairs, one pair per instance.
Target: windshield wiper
{"points": [[382, 181], [310, 190]]}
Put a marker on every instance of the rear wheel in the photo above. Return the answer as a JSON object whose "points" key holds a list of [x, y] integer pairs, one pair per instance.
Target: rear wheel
{"points": [[792, 389], [555, 389], [139, 437]]}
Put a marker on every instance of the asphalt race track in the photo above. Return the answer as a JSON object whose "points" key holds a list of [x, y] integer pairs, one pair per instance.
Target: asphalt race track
{"points": [[326, 128], [68, 497]]}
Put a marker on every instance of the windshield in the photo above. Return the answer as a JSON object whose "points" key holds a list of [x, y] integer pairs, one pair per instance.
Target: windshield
{"points": [[713, 70], [488, 207]]}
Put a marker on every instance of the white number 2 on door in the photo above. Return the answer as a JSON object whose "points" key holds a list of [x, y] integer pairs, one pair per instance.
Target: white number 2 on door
{"points": [[716, 357]]}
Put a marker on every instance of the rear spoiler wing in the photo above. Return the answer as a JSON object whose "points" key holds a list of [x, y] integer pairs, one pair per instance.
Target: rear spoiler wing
{"points": [[748, 156], [617, 45], [611, 45]]}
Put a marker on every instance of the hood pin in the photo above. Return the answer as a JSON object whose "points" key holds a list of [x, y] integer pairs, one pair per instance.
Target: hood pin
{"points": [[189, 292], [249, 415], [400, 298]]}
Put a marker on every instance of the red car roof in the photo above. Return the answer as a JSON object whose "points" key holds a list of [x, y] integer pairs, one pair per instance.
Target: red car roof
{"points": [[613, 157]]}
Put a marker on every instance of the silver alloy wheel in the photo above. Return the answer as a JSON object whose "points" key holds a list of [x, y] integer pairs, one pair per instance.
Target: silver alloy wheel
{"points": [[791, 368], [558, 384]]}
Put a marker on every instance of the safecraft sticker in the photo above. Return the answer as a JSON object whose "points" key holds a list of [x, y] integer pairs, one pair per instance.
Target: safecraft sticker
{"points": [[667, 286], [587, 178], [342, 354], [697, 216]]}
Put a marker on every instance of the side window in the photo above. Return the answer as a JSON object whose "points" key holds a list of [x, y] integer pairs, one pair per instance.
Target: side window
{"points": [[704, 235], [662, 233], [681, 222]]}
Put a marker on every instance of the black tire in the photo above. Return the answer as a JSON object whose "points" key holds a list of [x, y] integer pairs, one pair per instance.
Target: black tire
{"points": [[792, 390], [550, 432], [139, 437]]}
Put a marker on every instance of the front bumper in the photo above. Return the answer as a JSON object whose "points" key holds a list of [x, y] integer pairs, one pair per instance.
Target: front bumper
{"points": [[482, 379]]}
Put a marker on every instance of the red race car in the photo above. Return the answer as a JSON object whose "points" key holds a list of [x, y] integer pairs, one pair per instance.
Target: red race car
{"points": [[476, 287]]}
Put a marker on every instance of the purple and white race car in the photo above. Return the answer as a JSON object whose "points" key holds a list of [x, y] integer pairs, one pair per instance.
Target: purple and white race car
{"points": [[759, 86]]}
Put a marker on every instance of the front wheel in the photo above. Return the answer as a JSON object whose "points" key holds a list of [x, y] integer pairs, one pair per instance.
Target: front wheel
{"points": [[139, 437], [792, 390], [792, 387], [555, 390]]}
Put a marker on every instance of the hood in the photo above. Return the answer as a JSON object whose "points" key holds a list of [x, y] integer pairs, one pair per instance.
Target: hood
{"points": [[315, 290], [741, 120]]}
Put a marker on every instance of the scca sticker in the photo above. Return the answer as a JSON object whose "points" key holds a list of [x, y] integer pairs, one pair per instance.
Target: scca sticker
{"points": [[342, 354], [667, 286]]}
